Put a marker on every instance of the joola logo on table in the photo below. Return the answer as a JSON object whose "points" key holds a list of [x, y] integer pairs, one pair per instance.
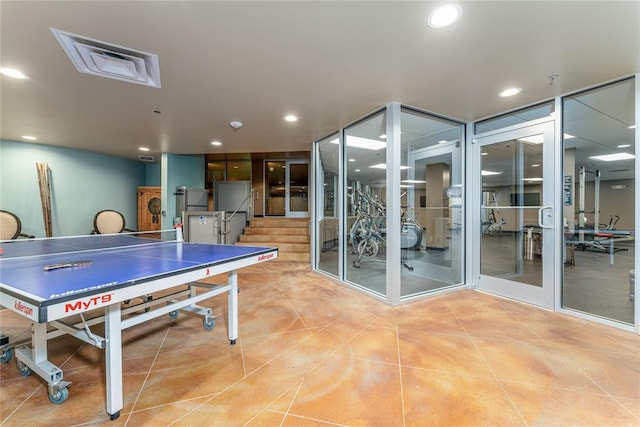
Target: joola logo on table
{"points": [[87, 303], [265, 257], [19, 306]]}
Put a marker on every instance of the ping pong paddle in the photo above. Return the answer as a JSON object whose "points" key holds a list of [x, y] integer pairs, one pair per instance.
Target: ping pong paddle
{"points": [[68, 264]]}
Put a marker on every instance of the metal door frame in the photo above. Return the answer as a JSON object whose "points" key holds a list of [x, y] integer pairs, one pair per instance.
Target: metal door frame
{"points": [[545, 296]]}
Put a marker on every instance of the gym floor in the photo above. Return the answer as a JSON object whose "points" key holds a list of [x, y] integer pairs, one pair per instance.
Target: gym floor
{"points": [[312, 352]]}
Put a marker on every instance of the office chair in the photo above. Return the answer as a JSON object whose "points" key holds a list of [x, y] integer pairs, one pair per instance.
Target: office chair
{"points": [[11, 227], [109, 222]]}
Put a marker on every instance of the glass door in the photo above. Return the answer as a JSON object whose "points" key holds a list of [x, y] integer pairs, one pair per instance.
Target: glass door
{"points": [[516, 213], [297, 189], [287, 188]]}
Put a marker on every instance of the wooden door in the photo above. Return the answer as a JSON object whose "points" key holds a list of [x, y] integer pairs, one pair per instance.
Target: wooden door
{"points": [[149, 209]]}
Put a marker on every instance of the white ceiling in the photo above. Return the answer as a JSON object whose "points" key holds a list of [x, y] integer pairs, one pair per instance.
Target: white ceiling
{"points": [[328, 62]]}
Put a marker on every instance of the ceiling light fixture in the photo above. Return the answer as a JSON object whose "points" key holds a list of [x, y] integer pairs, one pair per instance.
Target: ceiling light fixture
{"points": [[444, 16], [29, 138], [236, 125], [143, 148], [613, 157], [216, 143], [364, 143], [413, 181], [384, 166], [489, 173], [291, 118], [510, 92], [632, 127], [624, 146], [12, 72]]}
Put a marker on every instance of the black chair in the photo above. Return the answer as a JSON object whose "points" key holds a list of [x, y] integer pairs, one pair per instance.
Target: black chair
{"points": [[11, 227], [109, 222]]}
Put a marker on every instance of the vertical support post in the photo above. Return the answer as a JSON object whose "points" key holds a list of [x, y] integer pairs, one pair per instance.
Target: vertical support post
{"points": [[39, 342], [113, 354], [232, 281], [596, 203]]}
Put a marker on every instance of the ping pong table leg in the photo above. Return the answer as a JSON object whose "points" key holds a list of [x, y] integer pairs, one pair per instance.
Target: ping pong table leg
{"points": [[232, 281], [113, 353]]}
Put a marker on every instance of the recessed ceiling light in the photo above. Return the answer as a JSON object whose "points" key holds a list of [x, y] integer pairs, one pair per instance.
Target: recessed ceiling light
{"points": [[624, 146], [364, 143], [352, 160], [444, 16], [489, 173], [484, 154], [216, 143], [444, 141], [291, 118], [12, 72], [413, 181], [535, 165], [357, 170], [632, 127], [510, 91], [383, 136], [143, 148], [567, 136], [384, 166], [29, 137], [535, 179], [613, 157]]}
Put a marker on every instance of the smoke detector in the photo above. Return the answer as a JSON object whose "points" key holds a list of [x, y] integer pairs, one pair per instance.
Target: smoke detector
{"points": [[108, 60], [236, 125]]}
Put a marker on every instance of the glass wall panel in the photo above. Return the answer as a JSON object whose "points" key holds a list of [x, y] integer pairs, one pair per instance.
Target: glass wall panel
{"points": [[599, 201], [515, 117], [238, 170], [365, 164], [431, 202], [327, 223]]}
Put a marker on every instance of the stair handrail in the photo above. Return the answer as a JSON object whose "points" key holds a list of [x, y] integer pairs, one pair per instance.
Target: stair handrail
{"points": [[227, 219]]}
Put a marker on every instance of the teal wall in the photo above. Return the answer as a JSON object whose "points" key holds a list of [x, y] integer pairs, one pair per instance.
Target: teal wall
{"points": [[82, 183], [152, 175], [176, 171]]}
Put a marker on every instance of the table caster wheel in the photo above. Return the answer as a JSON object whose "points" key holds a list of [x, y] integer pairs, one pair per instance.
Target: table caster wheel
{"points": [[59, 396], [24, 370], [173, 315], [6, 355], [209, 322]]}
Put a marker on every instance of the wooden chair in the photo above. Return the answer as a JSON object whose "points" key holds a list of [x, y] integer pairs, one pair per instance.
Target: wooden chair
{"points": [[11, 227], [109, 222]]}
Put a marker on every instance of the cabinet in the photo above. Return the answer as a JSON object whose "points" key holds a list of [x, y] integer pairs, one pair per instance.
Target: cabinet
{"points": [[149, 209]]}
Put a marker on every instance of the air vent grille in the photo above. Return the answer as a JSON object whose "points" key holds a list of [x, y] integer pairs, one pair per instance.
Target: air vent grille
{"points": [[103, 59], [145, 158]]}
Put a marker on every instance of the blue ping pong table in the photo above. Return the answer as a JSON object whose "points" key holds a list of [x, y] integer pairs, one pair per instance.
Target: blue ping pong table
{"points": [[55, 282]]}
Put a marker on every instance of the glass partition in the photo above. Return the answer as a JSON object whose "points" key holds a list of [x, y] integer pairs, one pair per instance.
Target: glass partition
{"points": [[431, 202], [599, 201], [366, 227], [327, 222]]}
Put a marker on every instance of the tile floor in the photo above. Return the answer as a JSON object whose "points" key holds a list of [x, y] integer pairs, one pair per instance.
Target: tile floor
{"points": [[314, 353]]}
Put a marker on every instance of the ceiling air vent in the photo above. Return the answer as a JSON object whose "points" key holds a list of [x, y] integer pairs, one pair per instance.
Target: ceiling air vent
{"points": [[145, 158], [109, 60]]}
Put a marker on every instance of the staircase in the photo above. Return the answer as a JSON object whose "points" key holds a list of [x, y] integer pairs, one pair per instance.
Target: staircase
{"points": [[289, 235]]}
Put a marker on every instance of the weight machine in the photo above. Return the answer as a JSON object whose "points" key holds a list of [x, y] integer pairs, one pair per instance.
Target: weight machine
{"points": [[367, 233]]}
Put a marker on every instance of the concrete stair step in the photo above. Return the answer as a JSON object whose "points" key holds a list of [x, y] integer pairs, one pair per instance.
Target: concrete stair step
{"points": [[279, 223], [289, 235], [277, 231], [272, 238], [282, 247]]}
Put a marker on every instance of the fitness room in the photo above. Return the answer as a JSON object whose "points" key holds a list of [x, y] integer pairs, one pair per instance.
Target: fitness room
{"points": [[542, 211]]}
